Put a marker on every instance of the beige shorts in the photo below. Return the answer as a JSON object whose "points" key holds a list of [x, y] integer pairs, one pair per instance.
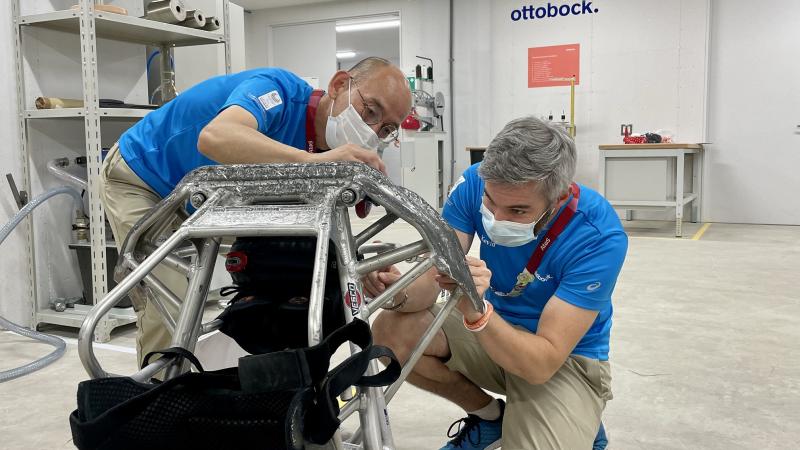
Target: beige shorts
{"points": [[563, 413]]}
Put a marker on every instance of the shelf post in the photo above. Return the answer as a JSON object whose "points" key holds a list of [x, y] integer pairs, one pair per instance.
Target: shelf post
{"points": [[91, 104], [25, 178]]}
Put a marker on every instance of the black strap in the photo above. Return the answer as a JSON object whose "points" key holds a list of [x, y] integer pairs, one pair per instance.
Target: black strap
{"points": [[323, 418], [300, 367], [176, 351], [228, 290]]}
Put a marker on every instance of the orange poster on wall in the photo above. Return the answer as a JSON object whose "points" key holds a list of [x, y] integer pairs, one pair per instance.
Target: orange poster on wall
{"points": [[549, 66]]}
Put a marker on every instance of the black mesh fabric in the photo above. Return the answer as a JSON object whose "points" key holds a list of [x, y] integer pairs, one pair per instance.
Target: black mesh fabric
{"points": [[208, 412], [270, 401]]}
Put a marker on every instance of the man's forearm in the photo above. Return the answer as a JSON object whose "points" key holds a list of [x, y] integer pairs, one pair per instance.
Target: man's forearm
{"points": [[240, 144], [526, 355]]}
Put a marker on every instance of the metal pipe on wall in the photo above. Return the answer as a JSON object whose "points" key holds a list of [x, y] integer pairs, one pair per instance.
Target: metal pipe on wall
{"points": [[452, 108]]}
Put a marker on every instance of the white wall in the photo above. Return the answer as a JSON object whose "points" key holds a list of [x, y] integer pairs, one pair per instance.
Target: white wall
{"points": [[13, 274], [424, 30], [642, 62], [754, 111], [308, 50], [196, 64]]}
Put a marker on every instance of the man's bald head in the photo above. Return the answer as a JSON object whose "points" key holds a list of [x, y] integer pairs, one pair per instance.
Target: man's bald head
{"points": [[383, 83]]}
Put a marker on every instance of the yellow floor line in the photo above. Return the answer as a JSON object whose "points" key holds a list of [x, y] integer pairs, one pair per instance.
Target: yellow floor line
{"points": [[700, 232]]}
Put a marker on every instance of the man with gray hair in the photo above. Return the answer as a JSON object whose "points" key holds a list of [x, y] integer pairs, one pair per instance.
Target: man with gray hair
{"points": [[550, 254]]}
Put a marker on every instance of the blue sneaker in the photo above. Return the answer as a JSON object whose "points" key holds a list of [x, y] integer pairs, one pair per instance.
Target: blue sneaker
{"points": [[601, 441], [474, 433]]}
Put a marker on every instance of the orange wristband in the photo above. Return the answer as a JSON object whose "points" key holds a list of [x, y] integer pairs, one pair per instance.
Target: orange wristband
{"points": [[481, 323]]}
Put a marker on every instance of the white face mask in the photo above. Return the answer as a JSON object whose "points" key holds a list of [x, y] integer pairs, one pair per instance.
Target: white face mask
{"points": [[506, 233], [349, 128]]}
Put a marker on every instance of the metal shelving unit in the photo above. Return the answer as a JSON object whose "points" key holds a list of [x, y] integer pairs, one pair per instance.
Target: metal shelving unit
{"points": [[89, 25]]}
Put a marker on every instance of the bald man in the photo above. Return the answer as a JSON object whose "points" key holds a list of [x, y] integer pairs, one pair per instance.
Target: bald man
{"points": [[266, 115]]}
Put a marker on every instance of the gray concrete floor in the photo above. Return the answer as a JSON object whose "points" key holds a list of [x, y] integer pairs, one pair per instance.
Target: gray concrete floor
{"points": [[704, 351]]}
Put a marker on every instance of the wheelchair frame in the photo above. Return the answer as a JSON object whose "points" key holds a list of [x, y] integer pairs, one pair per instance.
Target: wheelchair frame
{"points": [[282, 200]]}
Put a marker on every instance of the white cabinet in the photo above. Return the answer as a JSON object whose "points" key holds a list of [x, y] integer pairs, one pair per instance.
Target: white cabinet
{"points": [[421, 154]]}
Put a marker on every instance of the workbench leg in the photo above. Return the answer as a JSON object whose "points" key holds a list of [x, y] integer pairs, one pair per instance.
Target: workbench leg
{"points": [[679, 195], [697, 185], [601, 172]]}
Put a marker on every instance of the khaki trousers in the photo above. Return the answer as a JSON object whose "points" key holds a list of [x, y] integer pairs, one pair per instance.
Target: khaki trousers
{"points": [[126, 198], [562, 414]]}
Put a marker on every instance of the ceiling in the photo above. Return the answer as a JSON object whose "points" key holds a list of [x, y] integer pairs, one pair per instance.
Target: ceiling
{"points": [[264, 4]]}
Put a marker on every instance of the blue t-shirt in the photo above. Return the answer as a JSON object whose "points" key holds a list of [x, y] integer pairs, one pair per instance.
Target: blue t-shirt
{"points": [[580, 267], [162, 147]]}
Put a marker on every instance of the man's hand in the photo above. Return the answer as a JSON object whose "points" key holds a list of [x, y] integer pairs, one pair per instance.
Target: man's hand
{"points": [[377, 282], [350, 152], [481, 276]]}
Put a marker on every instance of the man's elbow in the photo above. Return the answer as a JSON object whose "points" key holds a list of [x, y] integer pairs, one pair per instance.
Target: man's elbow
{"points": [[209, 141], [538, 378], [539, 375]]}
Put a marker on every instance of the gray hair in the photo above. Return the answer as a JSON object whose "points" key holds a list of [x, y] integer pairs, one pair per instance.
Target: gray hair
{"points": [[529, 149], [366, 67]]}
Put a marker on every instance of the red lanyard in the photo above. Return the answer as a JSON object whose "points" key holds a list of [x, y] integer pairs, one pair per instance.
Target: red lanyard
{"points": [[311, 117], [555, 230]]}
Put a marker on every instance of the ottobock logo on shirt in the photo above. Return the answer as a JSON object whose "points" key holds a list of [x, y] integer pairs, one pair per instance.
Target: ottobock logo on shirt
{"points": [[270, 100], [543, 279]]}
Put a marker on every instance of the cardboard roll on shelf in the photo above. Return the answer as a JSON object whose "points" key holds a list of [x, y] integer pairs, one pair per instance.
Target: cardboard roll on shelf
{"points": [[106, 8]]}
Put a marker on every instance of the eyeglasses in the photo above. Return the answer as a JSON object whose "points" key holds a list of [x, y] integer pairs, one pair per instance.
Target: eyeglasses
{"points": [[373, 115]]}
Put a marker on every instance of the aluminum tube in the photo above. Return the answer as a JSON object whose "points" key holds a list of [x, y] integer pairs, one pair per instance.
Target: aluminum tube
{"points": [[376, 247], [371, 415], [430, 333], [374, 229], [86, 333], [167, 11], [391, 257], [402, 283], [212, 24], [210, 327], [349, 408], [316, 300], [166, 317], [172, 260], [185, 252], [287, 230], [194, 19], [153, 368], [167, 74], [188, 324], [151, 219]]}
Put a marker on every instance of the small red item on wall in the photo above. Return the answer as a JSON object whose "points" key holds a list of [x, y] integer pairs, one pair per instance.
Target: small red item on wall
{"points": [[411, 123]]}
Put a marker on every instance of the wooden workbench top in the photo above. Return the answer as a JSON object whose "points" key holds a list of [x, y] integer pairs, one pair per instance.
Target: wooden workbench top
{"points": [[647, 146]]}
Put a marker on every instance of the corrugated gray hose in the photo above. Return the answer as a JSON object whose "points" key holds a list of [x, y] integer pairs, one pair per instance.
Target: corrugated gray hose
{"points": [[60, 345]]}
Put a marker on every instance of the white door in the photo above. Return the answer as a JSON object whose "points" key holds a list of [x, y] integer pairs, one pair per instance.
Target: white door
{"points": [[308, 50], [754, 113]]}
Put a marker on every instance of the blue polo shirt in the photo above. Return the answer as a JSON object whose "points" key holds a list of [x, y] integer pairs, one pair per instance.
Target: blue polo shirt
{"points": [[580, 267], [162, 147]]}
